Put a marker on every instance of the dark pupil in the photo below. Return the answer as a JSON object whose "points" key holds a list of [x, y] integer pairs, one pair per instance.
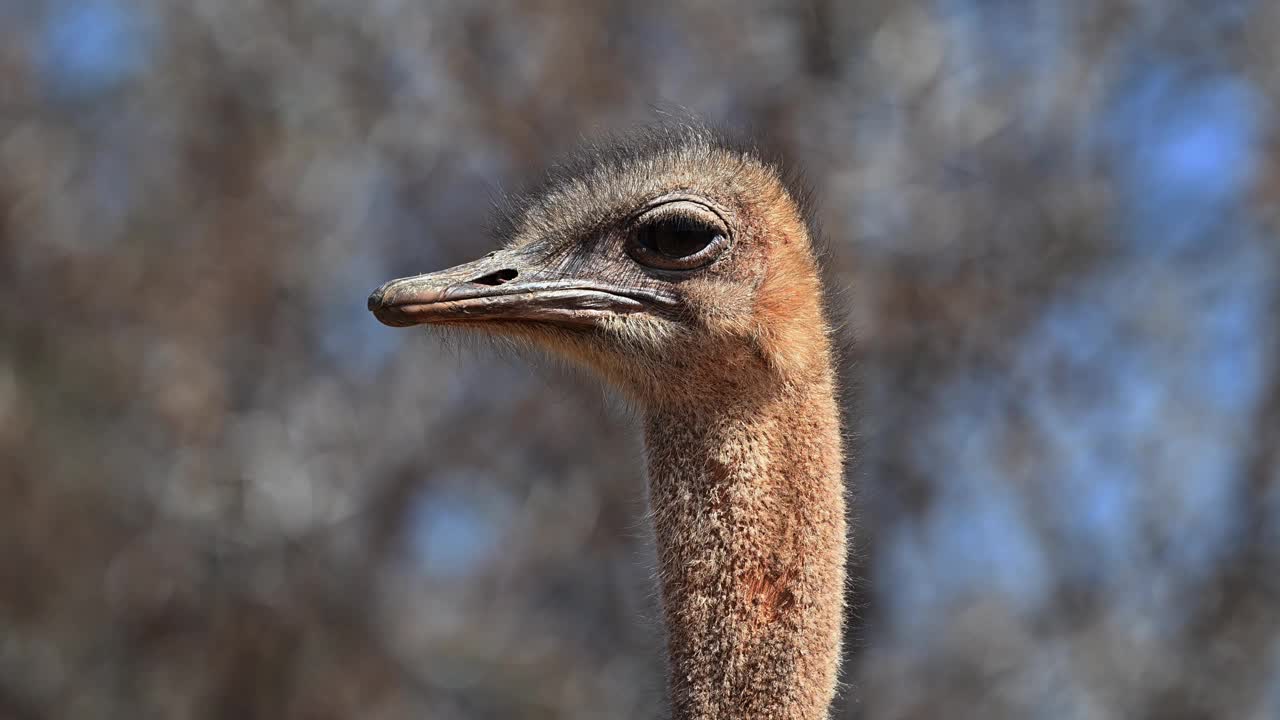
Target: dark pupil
{"points": [[678, 238]]}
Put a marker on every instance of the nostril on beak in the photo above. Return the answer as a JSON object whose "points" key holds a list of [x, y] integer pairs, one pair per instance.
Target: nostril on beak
{"points": [[497, 277]]}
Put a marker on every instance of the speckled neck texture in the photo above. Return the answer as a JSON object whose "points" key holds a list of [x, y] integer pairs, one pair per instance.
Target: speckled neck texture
{"points": [[749, 511]]}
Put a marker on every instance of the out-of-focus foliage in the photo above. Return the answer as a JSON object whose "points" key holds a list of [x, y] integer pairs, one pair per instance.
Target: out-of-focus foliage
{"points": [[225, 491]]}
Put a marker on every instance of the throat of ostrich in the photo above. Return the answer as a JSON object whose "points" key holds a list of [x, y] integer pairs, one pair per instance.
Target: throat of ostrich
{"points": [[749, 515]]}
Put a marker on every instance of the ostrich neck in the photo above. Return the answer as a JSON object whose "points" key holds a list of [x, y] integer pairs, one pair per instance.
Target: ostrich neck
{"points": [[747, 499]]}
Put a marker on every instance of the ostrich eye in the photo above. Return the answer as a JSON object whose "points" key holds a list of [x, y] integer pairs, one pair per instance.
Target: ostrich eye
{"points": [[678, 236]]}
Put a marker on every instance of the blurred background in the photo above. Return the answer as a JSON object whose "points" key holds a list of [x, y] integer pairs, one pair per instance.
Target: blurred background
{"points": [[227, 492]]}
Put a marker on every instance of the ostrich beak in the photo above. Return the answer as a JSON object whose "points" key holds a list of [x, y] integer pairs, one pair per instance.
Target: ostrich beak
{"points": [[507, 285]]}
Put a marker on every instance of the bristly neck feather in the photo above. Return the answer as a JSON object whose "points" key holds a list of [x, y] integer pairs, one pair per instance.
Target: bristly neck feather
{"points": [[747, 497]]}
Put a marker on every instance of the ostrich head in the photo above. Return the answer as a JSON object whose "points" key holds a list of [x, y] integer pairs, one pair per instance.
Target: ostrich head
{"points": [[670, 263]]}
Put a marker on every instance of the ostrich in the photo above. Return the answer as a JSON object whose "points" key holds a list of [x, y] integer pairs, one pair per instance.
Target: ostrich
{"points": [[681, 269]]}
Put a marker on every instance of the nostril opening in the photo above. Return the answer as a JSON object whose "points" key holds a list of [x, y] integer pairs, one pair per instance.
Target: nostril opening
{"points": [[498, 277]]}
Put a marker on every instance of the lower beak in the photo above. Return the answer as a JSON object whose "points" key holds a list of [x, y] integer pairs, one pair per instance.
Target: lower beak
{"points": [[503, 286]]}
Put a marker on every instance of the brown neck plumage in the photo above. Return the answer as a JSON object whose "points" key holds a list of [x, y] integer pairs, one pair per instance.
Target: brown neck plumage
{"points": [[747, 498]]}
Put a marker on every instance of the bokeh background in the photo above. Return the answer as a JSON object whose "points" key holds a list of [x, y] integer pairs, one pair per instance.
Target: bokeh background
{"points": [[227, 492]]}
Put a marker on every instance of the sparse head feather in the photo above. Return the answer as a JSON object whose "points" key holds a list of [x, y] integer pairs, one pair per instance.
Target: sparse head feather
{"points": [[611, 160]]}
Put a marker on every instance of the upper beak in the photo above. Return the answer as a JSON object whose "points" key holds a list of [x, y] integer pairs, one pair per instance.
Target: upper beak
{"points": [[505, 285]]}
